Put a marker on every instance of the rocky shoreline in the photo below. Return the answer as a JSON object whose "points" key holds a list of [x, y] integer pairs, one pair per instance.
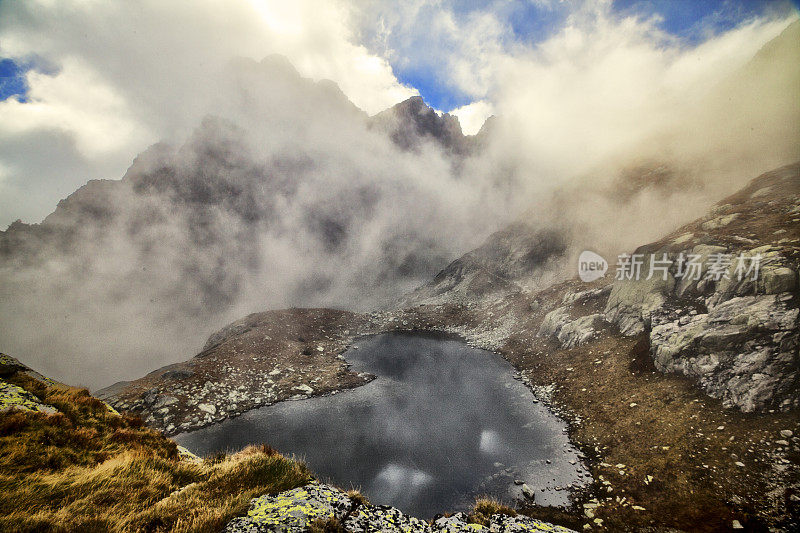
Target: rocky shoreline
{"points": [[260, 360]]}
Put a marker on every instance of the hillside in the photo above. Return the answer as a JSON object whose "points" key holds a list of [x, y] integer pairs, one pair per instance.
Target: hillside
{"points": [[660, 377], [259, 360], [71, 463]]}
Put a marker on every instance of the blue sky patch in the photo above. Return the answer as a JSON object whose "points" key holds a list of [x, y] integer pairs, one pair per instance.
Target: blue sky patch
{"points": [[12, 80], [696, 20]]}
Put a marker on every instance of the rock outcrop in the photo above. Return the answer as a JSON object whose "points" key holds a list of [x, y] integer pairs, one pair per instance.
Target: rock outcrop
{"points": [[568, 331], [725, 309], [743, 350], [411, 123], [294, 511], [14, 397], [10, 365]]}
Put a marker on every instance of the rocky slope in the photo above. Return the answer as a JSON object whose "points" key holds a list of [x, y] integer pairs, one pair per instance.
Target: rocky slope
{"points": [[625, 359], [735, 332], [259, 360], [511, 259], [720, 303]]}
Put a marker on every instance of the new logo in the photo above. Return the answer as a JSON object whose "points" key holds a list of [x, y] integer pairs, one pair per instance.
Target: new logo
{"points": [[591, 266]]}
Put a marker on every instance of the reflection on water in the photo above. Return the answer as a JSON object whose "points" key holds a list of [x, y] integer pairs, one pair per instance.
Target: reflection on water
{"points": [[441, 424]]}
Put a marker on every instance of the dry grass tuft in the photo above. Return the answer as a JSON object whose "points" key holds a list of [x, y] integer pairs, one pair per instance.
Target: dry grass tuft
{"points": [[357, 497], [331, 525], [485, 507], [86, 469]]}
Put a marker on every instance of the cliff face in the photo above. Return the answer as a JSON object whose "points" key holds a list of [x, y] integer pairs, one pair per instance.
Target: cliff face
{"points": [[412, 123]]}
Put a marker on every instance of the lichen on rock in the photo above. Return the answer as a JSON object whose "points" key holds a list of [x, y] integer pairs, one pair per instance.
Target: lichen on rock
{"points": [[14, 397], [185, 454], [383, 518], [457, 523], [295, 510], [520, 524]]}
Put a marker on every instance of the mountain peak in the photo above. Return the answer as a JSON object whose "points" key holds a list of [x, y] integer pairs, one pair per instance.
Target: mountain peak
{"points": [[412, 122]]}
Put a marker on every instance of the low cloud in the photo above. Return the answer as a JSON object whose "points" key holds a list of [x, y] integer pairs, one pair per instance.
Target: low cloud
{"points": [[298, 198]]}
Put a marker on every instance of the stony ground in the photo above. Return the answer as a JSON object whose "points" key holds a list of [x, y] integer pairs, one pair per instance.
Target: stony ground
{"points": [[259, 360]]}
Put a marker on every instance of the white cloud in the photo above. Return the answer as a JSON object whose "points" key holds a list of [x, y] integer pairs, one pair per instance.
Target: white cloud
{"points": [[133, 74], [472, 116], [602, 85], [75, 100], [601, 82]]}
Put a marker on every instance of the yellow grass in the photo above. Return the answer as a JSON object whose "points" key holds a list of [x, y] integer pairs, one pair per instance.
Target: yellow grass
{"points": [[87, 469]]}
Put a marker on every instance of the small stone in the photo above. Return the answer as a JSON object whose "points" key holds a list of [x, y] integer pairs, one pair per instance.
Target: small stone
{"points": [[208, 408], [737, 525], [305, 389], [786, 433], [739, 464], [528, 492]]}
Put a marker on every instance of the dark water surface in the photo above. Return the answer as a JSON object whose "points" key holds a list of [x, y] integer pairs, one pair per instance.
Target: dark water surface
{"points": [[441, 424]]}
